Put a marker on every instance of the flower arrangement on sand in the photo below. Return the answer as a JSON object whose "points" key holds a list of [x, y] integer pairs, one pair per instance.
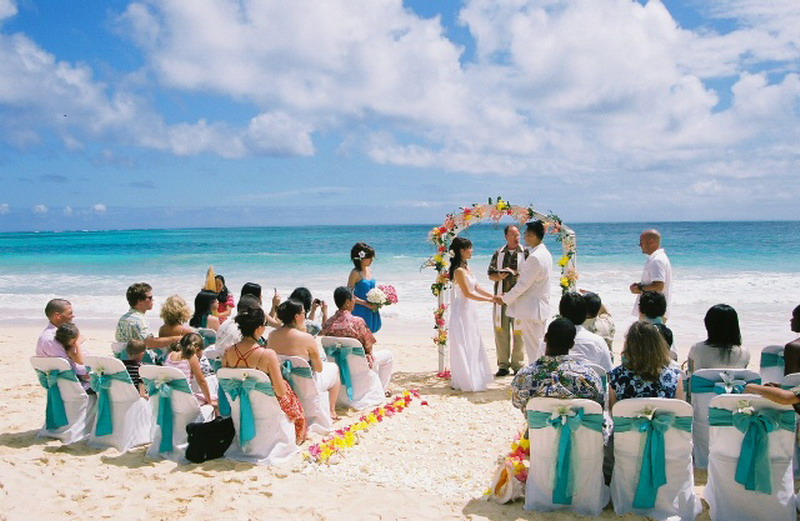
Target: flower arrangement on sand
{"points": [[348, 437], [455, 223]]}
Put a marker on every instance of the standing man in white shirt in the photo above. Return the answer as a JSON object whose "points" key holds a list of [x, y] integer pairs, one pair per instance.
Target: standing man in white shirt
{"points": [[529, 300], [657, 273]]}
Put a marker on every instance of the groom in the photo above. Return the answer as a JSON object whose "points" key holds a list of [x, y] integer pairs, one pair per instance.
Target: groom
{"points": [[529, 300]]}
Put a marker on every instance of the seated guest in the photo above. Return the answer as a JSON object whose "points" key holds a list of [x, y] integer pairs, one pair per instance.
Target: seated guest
{"points": [[723, 347], [588, 346], [184, 356], [224, 298], [70, 340], [205, 305], [773, 391], [175, 313], [344, 324], [135, 350], [254, 289], [59, 312], [598, 319], [133, 325], [291, 340], [228, 333], [791, 352], [653, 308], [647, 371], [310, 305], [250, 354], [557, 374]]}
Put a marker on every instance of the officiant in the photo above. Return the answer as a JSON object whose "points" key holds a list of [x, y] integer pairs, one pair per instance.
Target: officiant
{"points": [[503, 271]]}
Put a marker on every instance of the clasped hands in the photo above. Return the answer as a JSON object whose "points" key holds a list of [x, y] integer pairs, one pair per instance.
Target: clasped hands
{"points": [[498, 299]]}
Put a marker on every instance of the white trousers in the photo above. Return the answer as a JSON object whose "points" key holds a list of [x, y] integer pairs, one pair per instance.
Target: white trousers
{"points": [[533, 338], [384, 362], [328, 377]]}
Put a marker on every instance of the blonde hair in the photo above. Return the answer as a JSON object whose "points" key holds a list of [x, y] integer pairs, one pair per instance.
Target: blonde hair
{"points": [[175, 311], [646, 351]]}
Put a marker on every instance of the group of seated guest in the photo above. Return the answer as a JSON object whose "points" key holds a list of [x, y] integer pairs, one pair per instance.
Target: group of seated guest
{"points": [[61, 338]]}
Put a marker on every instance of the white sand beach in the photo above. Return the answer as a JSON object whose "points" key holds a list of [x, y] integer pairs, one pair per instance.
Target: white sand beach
{"points": [[428, 462]]}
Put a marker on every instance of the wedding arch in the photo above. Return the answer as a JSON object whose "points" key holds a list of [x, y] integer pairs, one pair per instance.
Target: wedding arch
{"points": [[455, 223]]}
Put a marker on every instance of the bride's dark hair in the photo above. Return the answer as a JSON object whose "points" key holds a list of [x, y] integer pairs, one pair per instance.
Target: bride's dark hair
{"points": [[458, 244]]}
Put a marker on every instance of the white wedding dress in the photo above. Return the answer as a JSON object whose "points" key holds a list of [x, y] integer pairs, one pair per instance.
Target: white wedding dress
{"points": [[469, 366]]}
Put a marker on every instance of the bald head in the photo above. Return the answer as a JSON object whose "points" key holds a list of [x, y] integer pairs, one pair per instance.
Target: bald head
{"points": [[650, 241]]}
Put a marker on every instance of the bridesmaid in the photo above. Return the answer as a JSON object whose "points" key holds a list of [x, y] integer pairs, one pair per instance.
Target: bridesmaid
{"points": [[361, 281]]}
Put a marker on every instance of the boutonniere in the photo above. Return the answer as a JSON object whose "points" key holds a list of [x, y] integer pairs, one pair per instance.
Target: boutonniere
{"points": [[562, 412]]}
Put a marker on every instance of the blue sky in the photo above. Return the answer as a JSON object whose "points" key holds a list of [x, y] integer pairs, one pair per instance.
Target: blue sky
{"points": [[221, 113]]}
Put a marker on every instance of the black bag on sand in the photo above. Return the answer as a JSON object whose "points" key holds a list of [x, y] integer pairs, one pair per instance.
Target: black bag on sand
{"points": [[209, 440]]}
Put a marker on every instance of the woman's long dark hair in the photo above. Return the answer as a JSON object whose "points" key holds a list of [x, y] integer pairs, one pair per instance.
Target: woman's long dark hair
{"points": [[458, 244], [202, 307], [360, 251], [722, 326], [222, 296]]}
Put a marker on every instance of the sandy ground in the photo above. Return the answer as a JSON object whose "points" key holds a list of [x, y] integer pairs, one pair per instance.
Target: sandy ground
{"points": [[430, 462]]}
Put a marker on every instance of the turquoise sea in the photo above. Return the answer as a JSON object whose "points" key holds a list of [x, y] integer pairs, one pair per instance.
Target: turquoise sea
{"points": [[753, 266]]}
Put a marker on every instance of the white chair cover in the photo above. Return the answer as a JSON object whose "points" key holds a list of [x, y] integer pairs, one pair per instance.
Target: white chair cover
{"points": [[185, 410], [274, 441], [367, 388], [77, 404], [130, 412], [590, 494], [788, 382], [116, 349], [700, 401], [676, 499], [729, 500], [772, 364], [315, 400]]}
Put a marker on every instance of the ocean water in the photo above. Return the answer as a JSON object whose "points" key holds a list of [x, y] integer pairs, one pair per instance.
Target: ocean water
{"points": [[753, 266]]}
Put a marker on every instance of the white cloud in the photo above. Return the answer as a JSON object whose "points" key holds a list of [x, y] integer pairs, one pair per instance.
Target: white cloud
{"points": [[68, 211], [99, 208], [5, 209], [8, 9], [40, 209]]}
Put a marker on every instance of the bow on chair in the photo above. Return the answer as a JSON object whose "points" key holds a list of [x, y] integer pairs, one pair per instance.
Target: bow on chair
{"points": [[101, 383], [773, 359], [339, 353], [567, 420], [728, 385], [166, 416], [652, 474], [289, 371], [55, 414], [240, 390], [753, 470]]}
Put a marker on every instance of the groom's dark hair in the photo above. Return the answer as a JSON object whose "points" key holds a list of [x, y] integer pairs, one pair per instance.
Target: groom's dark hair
{"points": [[536, 228]]}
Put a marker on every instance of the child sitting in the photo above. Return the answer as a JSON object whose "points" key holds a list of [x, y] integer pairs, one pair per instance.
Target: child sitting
{"points": [[183, 355], [135, 350]]}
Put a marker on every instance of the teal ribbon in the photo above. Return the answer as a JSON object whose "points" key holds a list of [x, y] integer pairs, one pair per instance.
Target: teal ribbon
{"points": [[289, 371], [652, 473], [339, 354], [772, 360], [101, 383], [753, 469], [240, 390], [565, 472], [55, 415], [224, 406], [704, 385], [166, 418]]}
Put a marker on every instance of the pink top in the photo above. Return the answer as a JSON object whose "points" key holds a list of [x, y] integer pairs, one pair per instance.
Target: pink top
{"points": [[186, 369]]}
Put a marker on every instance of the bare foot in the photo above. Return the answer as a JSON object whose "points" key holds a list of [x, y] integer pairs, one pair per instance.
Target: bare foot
{"points": [[335, 416]]}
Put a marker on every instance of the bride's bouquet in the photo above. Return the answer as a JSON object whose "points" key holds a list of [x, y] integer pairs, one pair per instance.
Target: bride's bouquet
{"points": [[382, 296]]}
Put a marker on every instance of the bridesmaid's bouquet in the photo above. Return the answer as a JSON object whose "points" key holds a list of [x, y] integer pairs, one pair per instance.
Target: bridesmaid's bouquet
{"points": [[382, 296]]}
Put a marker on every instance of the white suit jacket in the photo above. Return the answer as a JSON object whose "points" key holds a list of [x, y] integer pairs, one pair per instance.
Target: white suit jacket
{"points": [[529, 299]]}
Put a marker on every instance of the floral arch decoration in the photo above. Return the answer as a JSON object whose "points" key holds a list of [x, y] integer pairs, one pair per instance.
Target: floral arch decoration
{"points": [[455, 223]]}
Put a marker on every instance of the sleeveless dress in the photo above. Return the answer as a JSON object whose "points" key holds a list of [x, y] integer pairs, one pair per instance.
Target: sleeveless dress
{"points": [[372, 318], [469, 365]]}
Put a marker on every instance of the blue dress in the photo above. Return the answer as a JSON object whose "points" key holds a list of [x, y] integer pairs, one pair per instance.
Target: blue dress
{"points": [[372, 318]]}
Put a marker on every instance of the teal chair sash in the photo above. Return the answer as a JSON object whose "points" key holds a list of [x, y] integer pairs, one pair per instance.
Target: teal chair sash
{"points": [[240, 390], [224, 406], [772, 360], [166, 417], [652, 473], [101, 383], [567, 425], [339, 353], [289, 371], [55, 415], [704, 385], [753, 469]]}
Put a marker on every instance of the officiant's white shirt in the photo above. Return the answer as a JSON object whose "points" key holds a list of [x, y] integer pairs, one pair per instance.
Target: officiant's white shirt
{"points": [[656, 269]]}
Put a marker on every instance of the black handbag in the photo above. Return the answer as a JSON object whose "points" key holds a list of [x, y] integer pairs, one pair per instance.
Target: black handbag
{"points": [[209, 440]]}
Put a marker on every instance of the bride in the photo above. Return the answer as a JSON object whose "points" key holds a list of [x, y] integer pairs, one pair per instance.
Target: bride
{"points": [[469, 365]]}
